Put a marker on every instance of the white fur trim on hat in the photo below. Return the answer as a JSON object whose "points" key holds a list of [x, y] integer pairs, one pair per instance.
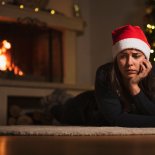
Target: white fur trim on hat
{"points": [[131, 43]]}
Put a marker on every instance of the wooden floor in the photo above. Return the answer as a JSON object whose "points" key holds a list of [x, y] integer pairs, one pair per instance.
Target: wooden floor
{"points": [[77, 145]]}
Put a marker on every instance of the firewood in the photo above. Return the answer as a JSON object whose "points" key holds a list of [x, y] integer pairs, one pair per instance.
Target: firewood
{"points": [[15, 111], [37, 115], [12, 121], [24, 120]]}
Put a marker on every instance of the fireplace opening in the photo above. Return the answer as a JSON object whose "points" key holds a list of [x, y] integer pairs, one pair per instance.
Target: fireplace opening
{"points": [[35, 52]]}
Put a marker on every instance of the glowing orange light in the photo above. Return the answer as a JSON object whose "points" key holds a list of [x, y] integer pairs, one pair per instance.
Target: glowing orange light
{"points": [[21, 73], [3, 63], [3, 50], [3, 145], [6, 60], [6, 44]]}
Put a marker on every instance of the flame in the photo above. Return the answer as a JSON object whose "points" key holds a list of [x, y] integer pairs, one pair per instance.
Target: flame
{"points": [[6, 60], [6, 44], [3, 63]]}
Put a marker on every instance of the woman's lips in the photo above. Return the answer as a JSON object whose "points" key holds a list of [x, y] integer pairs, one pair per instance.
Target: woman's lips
{"points": [[130, 71]]}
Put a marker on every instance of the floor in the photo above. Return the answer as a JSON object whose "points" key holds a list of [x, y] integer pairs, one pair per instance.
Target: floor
{"points": [[77, 145]]}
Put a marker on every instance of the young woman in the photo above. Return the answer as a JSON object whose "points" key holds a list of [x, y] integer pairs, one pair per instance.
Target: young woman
{"points": [[124, 92]]}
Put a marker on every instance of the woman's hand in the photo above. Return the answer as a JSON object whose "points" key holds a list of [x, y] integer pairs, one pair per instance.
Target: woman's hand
{"points": [[145, 68]]}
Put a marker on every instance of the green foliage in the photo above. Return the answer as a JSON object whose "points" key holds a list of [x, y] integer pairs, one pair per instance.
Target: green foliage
{"points": [[150, 25]]}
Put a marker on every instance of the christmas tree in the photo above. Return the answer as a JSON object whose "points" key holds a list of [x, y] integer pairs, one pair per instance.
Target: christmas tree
{"points": [[150, 26]]}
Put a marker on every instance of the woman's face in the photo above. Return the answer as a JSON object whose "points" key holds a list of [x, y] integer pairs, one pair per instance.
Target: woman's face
{"points": [[129, 62]]}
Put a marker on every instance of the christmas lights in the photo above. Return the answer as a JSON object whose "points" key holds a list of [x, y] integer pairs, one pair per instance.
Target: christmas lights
{"points": [[35, 8], [150, 26]]}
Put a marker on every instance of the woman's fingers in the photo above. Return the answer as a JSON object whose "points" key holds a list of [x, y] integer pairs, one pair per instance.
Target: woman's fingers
{"points": [[145, 68], [148, 64]]}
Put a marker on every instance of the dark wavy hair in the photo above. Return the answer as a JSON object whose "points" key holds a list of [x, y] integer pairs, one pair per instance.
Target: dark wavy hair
{"points": [[147, 85]]}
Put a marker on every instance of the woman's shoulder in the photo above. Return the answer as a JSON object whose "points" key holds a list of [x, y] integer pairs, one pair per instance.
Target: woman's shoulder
{"points": [[103, 72], [105, 68]]}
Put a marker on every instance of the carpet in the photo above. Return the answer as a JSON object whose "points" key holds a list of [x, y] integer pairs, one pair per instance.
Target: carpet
{"points": [[72, 131]]}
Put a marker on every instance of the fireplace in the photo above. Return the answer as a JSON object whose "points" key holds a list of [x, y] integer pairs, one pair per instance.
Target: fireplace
{"points": [[35, 52], [48, 61]]}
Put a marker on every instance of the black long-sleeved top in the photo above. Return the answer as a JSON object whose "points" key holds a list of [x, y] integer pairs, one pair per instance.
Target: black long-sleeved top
{"points": [[142, 113]]}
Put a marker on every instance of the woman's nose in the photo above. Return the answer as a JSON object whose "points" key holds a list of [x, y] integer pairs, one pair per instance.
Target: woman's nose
{"points": [[129, 61]]}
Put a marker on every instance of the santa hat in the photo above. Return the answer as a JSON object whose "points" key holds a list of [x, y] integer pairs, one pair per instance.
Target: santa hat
{"points": [[129, 36]]}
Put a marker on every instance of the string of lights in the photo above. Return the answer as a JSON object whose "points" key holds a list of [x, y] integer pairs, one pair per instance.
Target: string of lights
{"points": [[35, 8], [150, 26]]}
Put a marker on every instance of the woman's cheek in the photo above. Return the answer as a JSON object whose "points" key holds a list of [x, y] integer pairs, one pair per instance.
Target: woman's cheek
{"points": [[122, 63]]}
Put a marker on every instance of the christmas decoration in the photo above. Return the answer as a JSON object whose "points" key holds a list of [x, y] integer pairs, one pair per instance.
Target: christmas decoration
{"points": [[76, 9], [129, 36], [150, 26], [36, 6]]}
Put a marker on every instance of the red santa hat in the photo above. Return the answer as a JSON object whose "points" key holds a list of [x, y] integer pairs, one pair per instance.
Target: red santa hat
{"points": [[129, 36]]}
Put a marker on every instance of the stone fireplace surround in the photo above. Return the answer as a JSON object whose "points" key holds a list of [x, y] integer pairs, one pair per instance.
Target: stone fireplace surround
{"points": [[69, 27]]}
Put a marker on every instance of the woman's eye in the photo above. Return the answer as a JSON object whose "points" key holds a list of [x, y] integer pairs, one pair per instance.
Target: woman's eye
{"points": [[137, 55]]}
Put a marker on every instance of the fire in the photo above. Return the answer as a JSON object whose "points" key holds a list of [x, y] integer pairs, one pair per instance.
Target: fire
{"points": [[6, 63], [3, 63]]}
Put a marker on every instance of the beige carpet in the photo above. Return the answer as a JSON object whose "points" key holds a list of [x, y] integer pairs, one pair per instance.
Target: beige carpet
{"points": [[73, 131]]}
